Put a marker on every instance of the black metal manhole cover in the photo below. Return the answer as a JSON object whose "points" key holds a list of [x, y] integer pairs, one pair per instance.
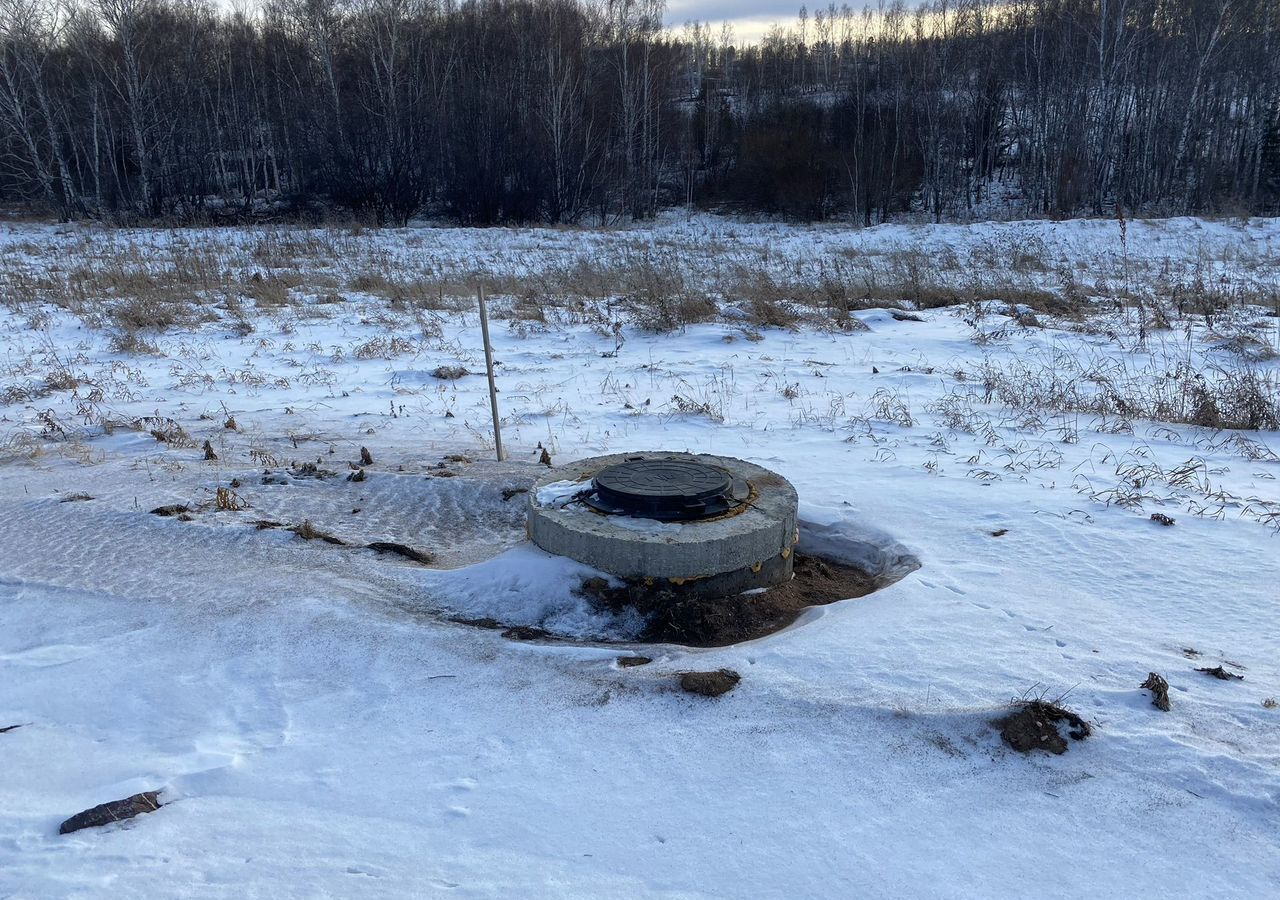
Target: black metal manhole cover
{"points": [[668, 489]]}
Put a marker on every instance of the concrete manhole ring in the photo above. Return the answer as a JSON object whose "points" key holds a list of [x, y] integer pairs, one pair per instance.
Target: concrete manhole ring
{"points": [[749, 545]]}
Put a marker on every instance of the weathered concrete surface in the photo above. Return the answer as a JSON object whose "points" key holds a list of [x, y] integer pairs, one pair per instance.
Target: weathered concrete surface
{"points": [[762, 534]]}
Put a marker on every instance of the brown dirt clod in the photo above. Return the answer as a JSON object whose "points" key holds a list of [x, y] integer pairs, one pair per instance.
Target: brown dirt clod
{"points": [[630, 662], [1033, 726], [710, 684]]}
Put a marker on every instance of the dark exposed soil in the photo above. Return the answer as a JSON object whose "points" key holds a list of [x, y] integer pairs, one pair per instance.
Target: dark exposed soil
{"points": [[510, 632], [115, 811], [418, 556], [720, 621], [173, 509], [630, 662], [311, 470], [710, 684], [1033, 726], [525, 633]]}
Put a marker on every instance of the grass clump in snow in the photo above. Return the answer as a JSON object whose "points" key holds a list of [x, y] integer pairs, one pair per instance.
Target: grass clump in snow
{"points": [[1237, 398], [309, 532]]}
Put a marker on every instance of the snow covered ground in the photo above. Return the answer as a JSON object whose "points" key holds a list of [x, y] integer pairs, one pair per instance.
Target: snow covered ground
{"points": [[319, 726]]}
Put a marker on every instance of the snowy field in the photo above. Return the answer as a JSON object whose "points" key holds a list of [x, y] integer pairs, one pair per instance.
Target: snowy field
{"points": [[1010, 403]]}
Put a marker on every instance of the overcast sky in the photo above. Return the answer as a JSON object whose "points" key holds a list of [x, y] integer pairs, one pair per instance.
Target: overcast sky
{"points": [[750, 18]]}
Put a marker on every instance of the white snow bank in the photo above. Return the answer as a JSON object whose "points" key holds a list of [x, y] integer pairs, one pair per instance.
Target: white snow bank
{"points": [[527, 586]]}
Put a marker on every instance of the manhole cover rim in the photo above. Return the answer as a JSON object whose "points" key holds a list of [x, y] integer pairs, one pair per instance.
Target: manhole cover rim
{"points": [[662, 480]]}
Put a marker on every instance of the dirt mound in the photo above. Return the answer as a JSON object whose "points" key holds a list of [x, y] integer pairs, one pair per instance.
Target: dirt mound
{"points": [[719, 621], [710, 684], [1033, 726]]}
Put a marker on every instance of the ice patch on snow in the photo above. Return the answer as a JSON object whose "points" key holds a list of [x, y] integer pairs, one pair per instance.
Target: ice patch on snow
{"points": [[839, 536], [559, 494]]}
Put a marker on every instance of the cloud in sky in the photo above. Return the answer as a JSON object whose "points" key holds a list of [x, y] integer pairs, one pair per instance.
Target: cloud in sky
{"points": [[751, 19], [680, 11]]}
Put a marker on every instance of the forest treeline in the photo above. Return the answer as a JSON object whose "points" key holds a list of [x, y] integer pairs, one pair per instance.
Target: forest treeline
{"points": [[494, 111]]}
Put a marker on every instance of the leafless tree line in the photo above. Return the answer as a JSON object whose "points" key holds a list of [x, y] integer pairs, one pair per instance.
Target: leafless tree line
{"points": [[564, 110]]}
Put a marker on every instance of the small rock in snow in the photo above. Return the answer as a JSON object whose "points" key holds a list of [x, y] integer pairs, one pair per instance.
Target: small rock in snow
{"points": [[115, 811]]}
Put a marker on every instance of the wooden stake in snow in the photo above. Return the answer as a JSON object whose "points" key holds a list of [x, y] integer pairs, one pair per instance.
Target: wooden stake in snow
{"points": [[488, 365]]}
